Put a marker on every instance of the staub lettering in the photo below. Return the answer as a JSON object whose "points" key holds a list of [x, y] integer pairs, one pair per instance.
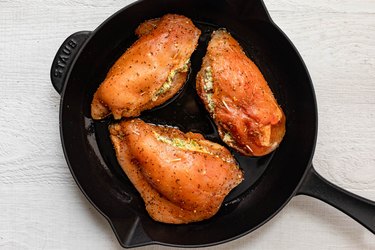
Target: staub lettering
{"points": [[63, 58]]}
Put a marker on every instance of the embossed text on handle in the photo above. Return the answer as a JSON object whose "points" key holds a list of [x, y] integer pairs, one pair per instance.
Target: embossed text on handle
{"points": [[64, 57]]}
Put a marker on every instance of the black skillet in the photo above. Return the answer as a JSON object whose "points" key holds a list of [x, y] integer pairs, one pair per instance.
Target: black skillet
{"points": [[270, 182]]}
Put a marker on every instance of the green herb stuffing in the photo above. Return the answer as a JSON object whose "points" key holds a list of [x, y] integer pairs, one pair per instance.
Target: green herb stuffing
{"points": [[208, 88], [168, 84], [190, 144]]}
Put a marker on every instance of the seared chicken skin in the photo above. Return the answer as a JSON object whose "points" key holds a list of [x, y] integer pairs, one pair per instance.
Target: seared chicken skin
{"points": [[181, 177], [151, 71], [238, 98]]}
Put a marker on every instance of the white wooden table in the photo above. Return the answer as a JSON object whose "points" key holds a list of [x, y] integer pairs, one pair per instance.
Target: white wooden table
{"points": [[42, 208]]}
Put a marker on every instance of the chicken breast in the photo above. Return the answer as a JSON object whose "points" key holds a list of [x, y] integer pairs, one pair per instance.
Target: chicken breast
{"points": [[151, 71], [238, 98], [181, 177]]}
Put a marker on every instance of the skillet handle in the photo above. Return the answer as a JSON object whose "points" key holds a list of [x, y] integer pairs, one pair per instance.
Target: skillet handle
{"points": [[65, 57], [360, 209], [254, 9]]}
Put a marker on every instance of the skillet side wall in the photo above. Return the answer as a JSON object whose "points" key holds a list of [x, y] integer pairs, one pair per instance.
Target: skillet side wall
{"points": [[108, 188]]}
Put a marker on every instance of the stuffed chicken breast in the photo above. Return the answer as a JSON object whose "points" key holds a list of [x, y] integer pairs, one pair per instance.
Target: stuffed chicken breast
{"points": [[181, 177], [238, 98], [151, 71]]}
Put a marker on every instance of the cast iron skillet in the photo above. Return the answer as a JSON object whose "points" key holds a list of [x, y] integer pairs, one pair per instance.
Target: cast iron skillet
{"points": [[270, 182]]}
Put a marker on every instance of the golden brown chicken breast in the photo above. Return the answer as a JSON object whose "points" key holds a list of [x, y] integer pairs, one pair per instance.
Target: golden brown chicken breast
{"points": [[181, 177], [151, 71], [238, 98]]}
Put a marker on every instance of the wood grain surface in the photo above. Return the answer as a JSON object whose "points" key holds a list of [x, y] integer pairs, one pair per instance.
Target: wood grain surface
{"points": [[41, 206]]}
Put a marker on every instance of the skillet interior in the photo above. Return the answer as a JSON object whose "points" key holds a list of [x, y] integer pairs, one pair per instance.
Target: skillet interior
{"points": [[270, 181]]}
